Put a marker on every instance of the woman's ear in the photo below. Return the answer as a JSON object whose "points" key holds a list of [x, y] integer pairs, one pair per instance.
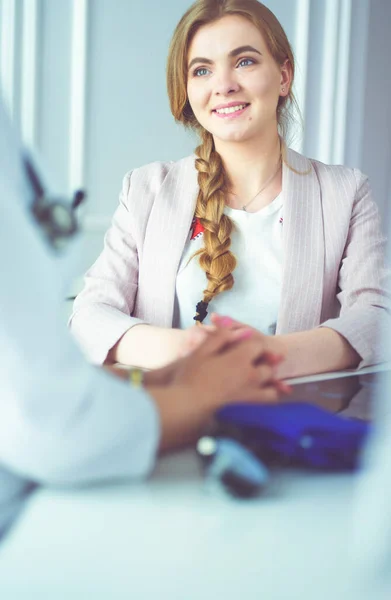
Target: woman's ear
{"points": [[286, 78]]}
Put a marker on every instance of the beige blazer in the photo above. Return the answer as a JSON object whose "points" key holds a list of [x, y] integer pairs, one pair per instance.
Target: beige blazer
{"points": [[333, 271]]}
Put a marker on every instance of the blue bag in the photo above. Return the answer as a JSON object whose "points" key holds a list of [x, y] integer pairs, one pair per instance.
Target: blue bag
{"points": [[294, 433]]}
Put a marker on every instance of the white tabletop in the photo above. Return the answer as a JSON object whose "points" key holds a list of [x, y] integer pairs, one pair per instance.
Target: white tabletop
{"points": [[172, 538]]}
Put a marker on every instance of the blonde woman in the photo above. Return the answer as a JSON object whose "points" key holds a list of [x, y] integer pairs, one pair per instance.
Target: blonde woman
{"points": [[246, 228]]}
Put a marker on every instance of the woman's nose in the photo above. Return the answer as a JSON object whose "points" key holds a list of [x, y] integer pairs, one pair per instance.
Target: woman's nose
{"points": [[226, 83]]}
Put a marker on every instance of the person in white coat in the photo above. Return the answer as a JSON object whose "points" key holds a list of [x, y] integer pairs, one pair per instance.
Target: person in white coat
{"points": [[64, 422]]}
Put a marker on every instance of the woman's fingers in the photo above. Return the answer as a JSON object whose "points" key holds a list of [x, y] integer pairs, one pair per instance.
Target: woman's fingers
{"points": [[207, 327], [244, 347], [195, 336], [262, 375], [266, 374], [225, 321], [259, 395], [273, 348], [227, 360], [283, 387], [272, 358], [222, 340]]}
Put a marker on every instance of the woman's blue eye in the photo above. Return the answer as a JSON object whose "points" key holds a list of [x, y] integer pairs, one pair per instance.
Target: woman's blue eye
{"points": [[246, 60], [200, 72]]}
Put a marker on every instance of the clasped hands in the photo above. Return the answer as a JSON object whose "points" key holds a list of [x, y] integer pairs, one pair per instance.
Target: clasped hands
{"points": [[224, 362], [273, 354], [203, 346]]}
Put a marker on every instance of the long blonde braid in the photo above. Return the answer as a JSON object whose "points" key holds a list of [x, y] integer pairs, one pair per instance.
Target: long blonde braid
{"points": [[215, 257]]}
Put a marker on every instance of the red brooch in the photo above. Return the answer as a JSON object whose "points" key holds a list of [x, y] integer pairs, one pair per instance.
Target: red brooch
{"points": [[196, 229]]}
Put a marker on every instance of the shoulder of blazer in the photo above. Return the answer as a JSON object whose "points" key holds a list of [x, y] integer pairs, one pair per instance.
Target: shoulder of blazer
{"points": [[148, 179], [346, 180]]}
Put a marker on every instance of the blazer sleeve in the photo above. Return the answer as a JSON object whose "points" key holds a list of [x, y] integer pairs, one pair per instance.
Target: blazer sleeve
{"points": [[102, 312], [364, 282]]}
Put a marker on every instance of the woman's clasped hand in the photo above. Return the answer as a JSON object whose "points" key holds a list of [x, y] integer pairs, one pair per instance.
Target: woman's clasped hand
{"points": [[228, 365], [273, 351]]}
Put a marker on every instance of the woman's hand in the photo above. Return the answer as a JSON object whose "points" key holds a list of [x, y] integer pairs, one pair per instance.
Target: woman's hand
{"points": [[229, 366], [309, 352], [272, 344], [194, 337]]}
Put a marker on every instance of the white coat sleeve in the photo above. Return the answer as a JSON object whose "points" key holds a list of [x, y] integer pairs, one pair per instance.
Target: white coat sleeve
{"points": [[61, 420]]}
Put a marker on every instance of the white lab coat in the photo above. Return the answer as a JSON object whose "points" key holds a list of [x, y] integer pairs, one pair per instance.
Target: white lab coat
{"points": [[61, 420]]}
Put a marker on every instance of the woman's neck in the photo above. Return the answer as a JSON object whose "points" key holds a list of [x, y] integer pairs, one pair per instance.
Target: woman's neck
{"points": [[248, 167]]}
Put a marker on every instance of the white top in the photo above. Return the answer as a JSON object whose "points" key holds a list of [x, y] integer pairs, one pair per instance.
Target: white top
{"points": [[61, 420], [255, 297]]}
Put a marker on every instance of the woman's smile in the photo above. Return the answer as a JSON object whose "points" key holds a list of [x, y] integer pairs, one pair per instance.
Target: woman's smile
{"points": [[231, 111]]}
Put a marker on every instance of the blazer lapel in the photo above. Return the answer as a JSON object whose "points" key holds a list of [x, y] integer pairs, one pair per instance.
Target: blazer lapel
{"points": [[303, 235], [167, 230]]}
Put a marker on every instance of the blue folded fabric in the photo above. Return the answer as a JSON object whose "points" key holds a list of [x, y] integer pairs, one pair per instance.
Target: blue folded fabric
{"points": [[295, 433]]}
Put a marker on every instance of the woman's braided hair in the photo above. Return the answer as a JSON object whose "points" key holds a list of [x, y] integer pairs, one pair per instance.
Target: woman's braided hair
{"points": [[215, 257]]}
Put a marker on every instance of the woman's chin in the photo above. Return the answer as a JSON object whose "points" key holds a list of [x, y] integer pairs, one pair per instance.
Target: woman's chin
{"points": [[234, 137]]}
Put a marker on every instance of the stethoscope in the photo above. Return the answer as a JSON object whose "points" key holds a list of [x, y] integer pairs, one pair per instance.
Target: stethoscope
{"points": [[56, 217]]}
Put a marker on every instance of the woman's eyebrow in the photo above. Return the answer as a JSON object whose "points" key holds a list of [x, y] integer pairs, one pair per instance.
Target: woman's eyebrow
{"points": [[235, 52]]}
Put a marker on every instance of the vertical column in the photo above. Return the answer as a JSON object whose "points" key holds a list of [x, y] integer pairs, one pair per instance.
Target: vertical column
{"points": [[333, 92], [326, 93], [29, 71], [342, 82], [301, 55], [7, 52], [79, 43]]}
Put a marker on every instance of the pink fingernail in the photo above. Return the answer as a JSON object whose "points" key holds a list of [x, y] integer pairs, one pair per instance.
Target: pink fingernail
{"points": [[226, 321], [244, 335]]}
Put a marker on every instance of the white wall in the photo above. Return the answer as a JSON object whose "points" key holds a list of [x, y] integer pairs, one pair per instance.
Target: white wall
{"points": [[86, 83]]}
